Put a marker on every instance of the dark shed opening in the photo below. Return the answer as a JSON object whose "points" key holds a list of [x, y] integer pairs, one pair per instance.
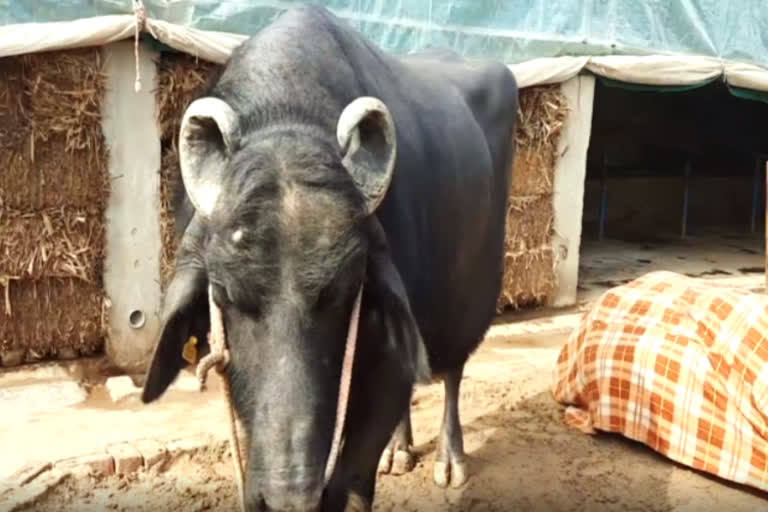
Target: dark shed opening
{"points": [[675, 181]]}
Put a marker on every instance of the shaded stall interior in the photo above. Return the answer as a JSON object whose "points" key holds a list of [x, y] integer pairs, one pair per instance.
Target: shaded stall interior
{"points": [[675, 181]]}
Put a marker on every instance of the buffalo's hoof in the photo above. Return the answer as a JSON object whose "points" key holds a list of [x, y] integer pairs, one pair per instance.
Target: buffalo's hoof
{"points": [[403, 462], [453, 473], [385, 462], [396, 463]]}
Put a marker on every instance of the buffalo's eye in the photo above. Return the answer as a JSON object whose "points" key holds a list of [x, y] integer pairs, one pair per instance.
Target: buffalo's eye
{"points": [[344, 284]]}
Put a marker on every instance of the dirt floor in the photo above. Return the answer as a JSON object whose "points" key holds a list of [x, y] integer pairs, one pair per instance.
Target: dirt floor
{"points": [[522, 457]]}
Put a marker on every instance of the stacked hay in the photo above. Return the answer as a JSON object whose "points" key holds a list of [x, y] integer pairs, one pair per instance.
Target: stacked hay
{"points": [[54, 187], [529, 259], [180, 79]]}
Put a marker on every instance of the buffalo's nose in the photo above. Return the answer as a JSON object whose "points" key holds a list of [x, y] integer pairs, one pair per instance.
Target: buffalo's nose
{"points": [[283, 505], [291, 496]]}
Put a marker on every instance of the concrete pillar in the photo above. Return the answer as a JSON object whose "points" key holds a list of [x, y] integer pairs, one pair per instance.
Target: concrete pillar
{"points": [[568, 194], [132, 266]]}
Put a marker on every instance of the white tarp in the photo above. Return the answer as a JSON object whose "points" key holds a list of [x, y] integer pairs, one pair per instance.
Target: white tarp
{"points": [[659, 70]]}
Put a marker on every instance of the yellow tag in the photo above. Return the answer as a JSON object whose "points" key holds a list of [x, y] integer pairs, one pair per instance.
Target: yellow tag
{"points": [[190, 350]]}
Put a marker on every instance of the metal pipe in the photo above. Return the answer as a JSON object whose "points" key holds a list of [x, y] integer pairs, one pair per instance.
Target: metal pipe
{"points": [[755, 194], [686, 184], [603, 199]]}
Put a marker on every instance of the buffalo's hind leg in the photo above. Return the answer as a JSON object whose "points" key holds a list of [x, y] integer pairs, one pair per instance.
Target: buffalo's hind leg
{"points": [[398, 457], [450, 465]]}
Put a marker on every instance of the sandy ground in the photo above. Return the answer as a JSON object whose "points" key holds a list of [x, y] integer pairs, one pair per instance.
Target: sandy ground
{"points": [[522, 457]]}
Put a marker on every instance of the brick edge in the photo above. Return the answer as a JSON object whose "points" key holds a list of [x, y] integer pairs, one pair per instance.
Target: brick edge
{"points": [[35, 479]]}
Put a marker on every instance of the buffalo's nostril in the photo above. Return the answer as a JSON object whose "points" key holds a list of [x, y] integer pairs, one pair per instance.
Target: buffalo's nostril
{"points": [[256, 504], [292, 503], [284, 496]]}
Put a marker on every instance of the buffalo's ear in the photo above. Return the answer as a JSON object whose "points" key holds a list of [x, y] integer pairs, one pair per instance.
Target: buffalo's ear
{"points": [[185, 314], [385, 287]]}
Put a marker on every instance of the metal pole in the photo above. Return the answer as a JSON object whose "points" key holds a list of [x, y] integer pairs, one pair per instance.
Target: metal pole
{"points": [[686, 182], [755, 194], [603, 199]]}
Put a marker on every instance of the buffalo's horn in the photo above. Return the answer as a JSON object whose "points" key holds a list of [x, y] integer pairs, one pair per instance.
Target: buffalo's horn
{"points": [[366, 134], [206, 141]]}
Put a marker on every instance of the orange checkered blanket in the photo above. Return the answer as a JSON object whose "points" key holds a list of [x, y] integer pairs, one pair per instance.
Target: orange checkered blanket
{"points": [[678, 364]]}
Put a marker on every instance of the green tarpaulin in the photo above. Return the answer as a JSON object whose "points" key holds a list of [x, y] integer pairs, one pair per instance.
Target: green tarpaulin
{"points": [[509, 30]]}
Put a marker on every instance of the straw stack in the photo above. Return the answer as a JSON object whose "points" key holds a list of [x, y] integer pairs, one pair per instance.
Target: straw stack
{"points": [[529, 258], [54, 187]]}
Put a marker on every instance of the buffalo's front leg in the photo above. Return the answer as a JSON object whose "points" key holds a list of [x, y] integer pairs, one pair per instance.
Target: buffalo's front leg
{"points": [[450, 465], [397, 458]]}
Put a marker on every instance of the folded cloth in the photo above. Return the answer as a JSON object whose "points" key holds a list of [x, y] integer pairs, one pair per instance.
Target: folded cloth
{"points": [[679, 364]]}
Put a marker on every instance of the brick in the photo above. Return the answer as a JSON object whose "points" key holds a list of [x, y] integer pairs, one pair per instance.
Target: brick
{"points": [[30, 493], [186, 382], [67, 354], [29, 472], [51, 479], [127, 458], [187, 446], [31, 357], [12, 358], [152, 452], [101, 463], [122, 388]]}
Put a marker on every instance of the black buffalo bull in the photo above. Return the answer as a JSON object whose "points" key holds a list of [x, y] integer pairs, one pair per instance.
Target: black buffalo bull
{"points": [[317, 164]]}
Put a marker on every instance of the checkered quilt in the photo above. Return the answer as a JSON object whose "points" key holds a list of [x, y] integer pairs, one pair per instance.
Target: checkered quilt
{"points": [[678, 364]]}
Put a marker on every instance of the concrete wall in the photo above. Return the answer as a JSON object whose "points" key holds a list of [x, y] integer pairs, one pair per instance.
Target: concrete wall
{"points": [[132, 266], [569, 188]]}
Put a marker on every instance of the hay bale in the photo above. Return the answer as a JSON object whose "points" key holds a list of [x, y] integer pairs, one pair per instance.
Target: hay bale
{"points": [[51, 104], [54, 188], [531, 174], [529, 261], [170, 176], [49, 315], [529, 258], [60, 242], [180, 79], [49, 176], [13, 126], [529, 223]]}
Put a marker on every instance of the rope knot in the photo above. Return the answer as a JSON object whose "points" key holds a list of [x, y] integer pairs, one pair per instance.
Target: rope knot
{"points": [[217, 360], [141, 14]]}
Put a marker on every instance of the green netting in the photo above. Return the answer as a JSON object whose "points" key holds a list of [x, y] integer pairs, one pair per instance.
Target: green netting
{"points": [[748, 94], [609, 82], [739, 92], [509, 30]]}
